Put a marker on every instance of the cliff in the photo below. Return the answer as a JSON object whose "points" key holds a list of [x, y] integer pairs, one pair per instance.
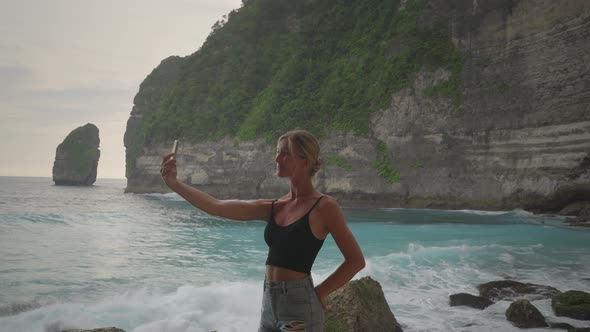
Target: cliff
{"points": [[451, 104], [76, 158]]}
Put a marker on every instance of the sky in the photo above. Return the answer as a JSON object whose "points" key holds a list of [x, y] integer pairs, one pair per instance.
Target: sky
{"points": [[65, 63]]}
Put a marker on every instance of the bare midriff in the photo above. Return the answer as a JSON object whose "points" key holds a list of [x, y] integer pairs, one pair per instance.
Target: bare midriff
{"points": [[275, 273]]}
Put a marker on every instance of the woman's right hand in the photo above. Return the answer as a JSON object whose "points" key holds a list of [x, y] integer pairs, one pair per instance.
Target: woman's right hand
{"points": [[168, 170]]}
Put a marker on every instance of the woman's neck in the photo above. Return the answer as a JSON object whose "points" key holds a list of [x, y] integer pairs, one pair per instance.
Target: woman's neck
{"points": [[302, 188]]}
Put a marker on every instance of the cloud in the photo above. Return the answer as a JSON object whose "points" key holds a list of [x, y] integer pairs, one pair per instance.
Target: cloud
{"points": [[82, 93], [13, 77], [64, 63]]}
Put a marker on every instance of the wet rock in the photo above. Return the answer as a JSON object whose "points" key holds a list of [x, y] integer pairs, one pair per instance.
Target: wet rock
{"points": [[469, 300], [582, 218], [577, 223], [584, 215], [525, 315], [76, 158], [360, 306], [572, 304], [560, 325], [510, 290], [16, 308]]}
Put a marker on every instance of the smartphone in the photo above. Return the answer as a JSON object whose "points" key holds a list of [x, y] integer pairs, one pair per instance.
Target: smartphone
{"points": [[174, 148]]}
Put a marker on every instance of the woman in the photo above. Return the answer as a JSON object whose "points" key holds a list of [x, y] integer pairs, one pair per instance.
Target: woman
{"points": [[297, 225]]}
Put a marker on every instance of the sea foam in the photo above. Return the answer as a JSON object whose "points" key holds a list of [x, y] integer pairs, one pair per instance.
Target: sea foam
{"points": [[233, 306]]}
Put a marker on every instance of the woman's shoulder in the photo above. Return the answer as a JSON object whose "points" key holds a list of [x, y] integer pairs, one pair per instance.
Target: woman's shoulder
{"points": [[327, 202]]}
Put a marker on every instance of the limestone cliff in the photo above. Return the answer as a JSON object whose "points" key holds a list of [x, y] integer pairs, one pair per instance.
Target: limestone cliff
{"points": [[76, 158], [516, 135]]}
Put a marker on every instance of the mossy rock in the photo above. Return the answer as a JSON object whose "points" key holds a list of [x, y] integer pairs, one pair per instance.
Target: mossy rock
{"points": [[464, 299], [572, 304], [560, 325], [360, 306], [76, 158], [525, 315], [510, 290]]}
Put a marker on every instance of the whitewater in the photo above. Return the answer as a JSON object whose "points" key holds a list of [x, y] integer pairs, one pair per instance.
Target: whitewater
{"points": [[88, 257]]}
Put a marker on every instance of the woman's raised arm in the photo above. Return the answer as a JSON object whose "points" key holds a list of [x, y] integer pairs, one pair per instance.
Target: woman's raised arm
{"points": [[230, 209]]}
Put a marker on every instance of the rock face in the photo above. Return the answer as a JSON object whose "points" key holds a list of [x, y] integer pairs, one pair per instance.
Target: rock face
{"points": [[469, 300], [581, 211], [572, 304], [519, 138], [510, 290], [525, 315], [76, 158], [360, 306]]}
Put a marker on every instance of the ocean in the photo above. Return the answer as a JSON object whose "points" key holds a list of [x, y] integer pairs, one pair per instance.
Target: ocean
{"points": [[88, 257]]}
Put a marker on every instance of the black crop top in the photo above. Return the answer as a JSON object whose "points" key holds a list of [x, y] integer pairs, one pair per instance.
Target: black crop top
{"points": [[294, 246]]}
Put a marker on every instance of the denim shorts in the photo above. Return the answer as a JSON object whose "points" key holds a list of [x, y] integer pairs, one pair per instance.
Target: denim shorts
{"points": [[291, 306]]}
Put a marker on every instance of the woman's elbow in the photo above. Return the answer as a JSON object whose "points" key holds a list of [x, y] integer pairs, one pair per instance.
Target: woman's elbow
{"points": [[358, 263], [361, 264]]}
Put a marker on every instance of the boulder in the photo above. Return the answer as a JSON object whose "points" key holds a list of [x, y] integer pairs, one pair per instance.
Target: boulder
{"points": [[525, 315], [76, 158], [572, 304], [360, 306], [574, 209], [16, 308], [583, 218], [584, 215], [579, 213], [469, 300], [511, 290], [560, 325]]}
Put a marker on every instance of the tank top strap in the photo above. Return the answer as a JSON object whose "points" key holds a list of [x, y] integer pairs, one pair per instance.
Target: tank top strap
{"points": [[272, 211], [313, 206]]}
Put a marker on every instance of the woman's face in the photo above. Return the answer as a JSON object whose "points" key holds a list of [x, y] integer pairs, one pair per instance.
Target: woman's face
{"points": [[288, 164]]}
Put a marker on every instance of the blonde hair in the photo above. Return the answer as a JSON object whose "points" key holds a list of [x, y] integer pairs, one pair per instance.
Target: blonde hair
{"points": [[305, 145]]}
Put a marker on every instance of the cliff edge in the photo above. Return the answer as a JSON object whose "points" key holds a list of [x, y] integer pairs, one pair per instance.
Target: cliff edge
{"points": [[440, 104]]}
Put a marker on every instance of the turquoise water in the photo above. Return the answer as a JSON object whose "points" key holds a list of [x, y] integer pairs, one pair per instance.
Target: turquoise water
{"points": [[90, 257]]}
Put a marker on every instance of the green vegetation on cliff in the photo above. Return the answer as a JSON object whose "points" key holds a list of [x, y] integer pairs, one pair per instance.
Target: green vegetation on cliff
{"points": [[76, 158], [385, 166], [324, 65], [339, 161], [80, 148]]}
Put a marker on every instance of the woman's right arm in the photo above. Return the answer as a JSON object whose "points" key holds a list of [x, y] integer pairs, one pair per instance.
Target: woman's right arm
{"points": [[230, 209]]}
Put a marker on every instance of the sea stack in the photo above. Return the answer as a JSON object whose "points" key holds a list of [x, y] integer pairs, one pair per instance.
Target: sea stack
{"points": [[76, 158]]}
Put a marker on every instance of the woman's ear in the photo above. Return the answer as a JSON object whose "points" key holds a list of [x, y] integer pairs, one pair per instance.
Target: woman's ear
{"points": [[308, 165]]}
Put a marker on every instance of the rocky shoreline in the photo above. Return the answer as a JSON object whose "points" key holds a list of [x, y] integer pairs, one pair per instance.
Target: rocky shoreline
{"points": [[578, 214], [360, 306], [522, 313]]}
